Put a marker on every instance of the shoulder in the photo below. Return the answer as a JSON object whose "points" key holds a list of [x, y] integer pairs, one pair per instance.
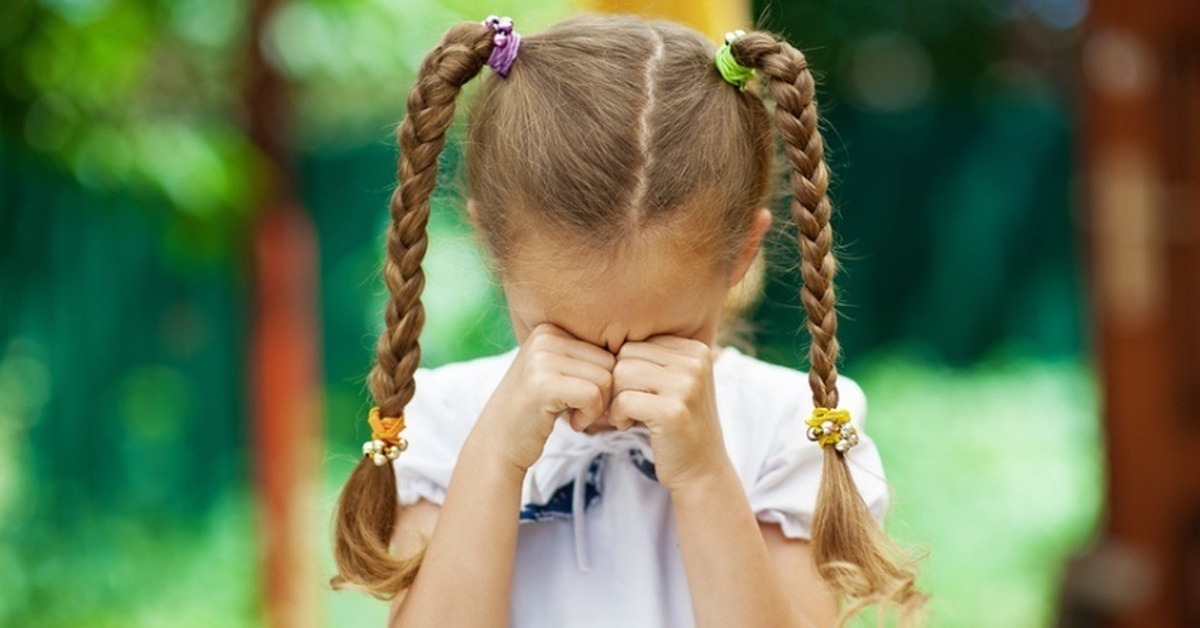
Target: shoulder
{"points": [[763, 412], [456, 379], [488, 367], [449, 398], [779, 391], [444, 408]]}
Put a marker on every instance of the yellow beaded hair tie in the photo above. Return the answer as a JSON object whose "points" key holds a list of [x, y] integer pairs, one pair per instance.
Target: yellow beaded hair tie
{"points": [[832, 428], [386, 442]]}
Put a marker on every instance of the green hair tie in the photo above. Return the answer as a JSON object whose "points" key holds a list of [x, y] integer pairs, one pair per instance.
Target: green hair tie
{"points": [[733, 72]]}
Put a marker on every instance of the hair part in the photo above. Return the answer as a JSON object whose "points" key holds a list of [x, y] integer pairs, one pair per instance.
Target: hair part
{"points": [[612, 119]]}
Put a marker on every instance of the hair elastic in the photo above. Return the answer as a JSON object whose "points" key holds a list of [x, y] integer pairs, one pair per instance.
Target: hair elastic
{"points": [[386, 442], [506, 43], [832, 428], [733, 72]]}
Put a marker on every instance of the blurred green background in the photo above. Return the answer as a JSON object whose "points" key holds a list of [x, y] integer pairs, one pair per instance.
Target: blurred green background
{"points": [[126, 286]]}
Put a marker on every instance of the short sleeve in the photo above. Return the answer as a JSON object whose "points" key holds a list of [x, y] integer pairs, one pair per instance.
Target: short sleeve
{"points": [[438, 419], [785, 491]]}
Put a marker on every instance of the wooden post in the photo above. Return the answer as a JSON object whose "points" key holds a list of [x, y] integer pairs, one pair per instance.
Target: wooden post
{"points": [[1141, 147], [286, 382]]}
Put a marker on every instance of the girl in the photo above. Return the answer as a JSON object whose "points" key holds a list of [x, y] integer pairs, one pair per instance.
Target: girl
{"points": [[619, 468]]}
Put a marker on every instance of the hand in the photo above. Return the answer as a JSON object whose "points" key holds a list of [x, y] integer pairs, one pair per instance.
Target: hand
{"points": [[666, 383], [552, 373]]}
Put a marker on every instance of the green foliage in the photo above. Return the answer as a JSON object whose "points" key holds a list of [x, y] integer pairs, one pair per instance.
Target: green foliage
{"points": [[126, 571], [997, 478], [131, 95], [146, 96]]}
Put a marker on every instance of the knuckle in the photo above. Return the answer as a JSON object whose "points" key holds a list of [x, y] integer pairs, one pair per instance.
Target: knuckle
{"points": [[621, 370], [676, 410], [694, 363], [543, 329], [595, 398], [538, 338], [610, 360], [538, 379], [539, 362], [606, 381]]}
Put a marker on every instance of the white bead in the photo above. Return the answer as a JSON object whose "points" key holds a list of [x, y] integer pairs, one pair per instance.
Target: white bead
{"points": [[828, 427], [380, 460], [393, 453], [368, 448], [813, 433], [402, 444], [842, 446], [378, 444]]}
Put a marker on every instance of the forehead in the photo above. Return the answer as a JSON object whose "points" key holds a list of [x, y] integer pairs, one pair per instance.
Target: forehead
{"points": [[632, 292]]}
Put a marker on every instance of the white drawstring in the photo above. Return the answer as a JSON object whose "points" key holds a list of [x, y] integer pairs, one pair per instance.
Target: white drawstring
{"points": [[578, 512], [583, 451]]}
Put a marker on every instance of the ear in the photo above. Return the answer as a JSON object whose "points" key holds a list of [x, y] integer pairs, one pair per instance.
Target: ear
{"points": [[762, 224]]}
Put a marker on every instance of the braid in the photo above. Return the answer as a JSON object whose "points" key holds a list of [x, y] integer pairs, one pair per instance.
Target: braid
{"points": [[852, 552], [367, 508]]}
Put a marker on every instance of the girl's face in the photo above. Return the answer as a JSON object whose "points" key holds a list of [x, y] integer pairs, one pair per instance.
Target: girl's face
{"points": [[631, 299], [654, 286]]}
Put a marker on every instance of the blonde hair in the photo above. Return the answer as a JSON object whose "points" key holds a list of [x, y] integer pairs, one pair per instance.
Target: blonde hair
{"points": [[617, 124]]}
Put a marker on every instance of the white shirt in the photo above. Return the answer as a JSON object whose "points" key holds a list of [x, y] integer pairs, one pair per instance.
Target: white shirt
{"points": [[597, 545]]}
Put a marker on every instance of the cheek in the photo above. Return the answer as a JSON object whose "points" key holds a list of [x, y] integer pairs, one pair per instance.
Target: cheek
{"points": [[523, 317], [519, 326]]}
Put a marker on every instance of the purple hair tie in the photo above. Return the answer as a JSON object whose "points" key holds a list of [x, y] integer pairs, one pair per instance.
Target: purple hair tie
{"points": [[506, 43]]}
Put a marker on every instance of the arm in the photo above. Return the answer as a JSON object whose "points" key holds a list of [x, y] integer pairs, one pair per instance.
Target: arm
{"points": [[466, 576], [739, 573], [465, 579], [414, 526], [742, 572]]}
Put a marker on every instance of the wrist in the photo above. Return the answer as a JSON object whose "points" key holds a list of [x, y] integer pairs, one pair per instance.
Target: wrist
{"points": [[701, 483], [490, 455]]}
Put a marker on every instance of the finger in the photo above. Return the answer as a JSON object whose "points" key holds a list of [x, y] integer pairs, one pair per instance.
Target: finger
{"points": [[598, 375], [630, 407], [580, 421], [570, 367], [682, 346], [559, 340], [645, 350], [677, 355], [588, 352], [585, 399], [638, 375]]}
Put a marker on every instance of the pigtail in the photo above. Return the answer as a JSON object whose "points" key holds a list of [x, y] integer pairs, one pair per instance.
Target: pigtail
{"points": [[853, 553], [366, 510]]}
